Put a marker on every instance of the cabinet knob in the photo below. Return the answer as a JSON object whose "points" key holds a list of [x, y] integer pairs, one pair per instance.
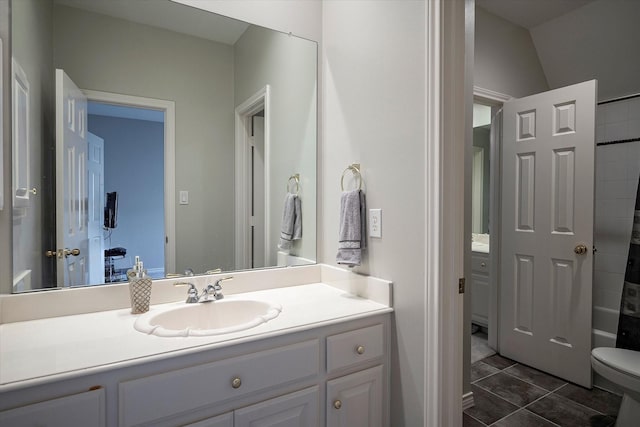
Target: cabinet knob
{"points": [[483, 264], [337, 404], [360, 349], [236, 382]]}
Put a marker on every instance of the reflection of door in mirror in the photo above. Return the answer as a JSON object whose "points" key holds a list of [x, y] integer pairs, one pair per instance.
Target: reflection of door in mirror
{"points": [[480, 169], [258, 254], [72, 219]]}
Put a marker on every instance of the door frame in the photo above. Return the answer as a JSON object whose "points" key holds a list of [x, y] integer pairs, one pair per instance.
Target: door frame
{"points": [[243, 112], [495, 100], [169, 109]]}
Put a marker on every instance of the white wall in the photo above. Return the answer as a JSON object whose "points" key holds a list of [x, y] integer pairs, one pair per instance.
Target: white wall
{"points": [[506, 60], [596, 41], [617, 172], [374, 113], [32, 50], [198, 76], [302, 18], [288, 65], [134, 167]]}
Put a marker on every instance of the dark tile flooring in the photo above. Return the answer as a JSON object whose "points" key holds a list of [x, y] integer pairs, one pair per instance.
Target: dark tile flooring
{"points": [[508, 394]]}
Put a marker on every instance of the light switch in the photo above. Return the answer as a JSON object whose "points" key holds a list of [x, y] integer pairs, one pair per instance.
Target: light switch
{"points": [[375, 223], [184, 197]]}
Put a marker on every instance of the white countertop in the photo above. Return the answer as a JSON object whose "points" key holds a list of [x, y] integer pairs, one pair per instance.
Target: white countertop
{"points": [[88, 343]]}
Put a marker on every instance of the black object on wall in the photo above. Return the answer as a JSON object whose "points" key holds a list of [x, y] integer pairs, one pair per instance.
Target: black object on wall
{"points": [[629, 322]]}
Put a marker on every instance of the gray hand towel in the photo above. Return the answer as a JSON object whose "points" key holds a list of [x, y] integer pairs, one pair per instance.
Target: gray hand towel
{"points": [[352, 236], [291, 228]]}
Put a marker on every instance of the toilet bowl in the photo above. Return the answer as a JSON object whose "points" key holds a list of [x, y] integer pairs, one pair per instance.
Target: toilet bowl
{"points": [[621, 367]]}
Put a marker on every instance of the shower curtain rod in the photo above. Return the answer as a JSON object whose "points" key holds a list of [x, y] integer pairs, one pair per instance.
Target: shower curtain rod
{"points": [[619, 141], [621, 98]]}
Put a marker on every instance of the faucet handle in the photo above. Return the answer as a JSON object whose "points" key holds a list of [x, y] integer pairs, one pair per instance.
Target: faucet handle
{"points": [[219, 282], [192, 293], [214, 271]]}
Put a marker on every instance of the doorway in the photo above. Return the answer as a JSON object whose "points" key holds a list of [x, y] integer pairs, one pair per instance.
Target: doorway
{"points": [[139, 139]]}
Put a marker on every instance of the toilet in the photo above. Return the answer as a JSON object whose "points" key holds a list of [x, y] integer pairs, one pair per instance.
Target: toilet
{"points": [[621, 367]]}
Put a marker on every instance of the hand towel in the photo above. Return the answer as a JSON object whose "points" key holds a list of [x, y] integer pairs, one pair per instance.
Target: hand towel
{"points": [[291, 228], [352, 236]]}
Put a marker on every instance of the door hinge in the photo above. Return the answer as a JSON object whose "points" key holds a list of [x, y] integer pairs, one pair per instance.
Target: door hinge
{"points": [[461, 285]]}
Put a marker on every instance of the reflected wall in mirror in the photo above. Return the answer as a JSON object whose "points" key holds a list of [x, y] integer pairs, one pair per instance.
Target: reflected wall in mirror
{"points": [[480, 169], [195, 122]]}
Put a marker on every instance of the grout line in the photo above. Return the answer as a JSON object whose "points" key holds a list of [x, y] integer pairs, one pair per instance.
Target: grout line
{"points": [[523, 409], [580, 404], [536, 385]]}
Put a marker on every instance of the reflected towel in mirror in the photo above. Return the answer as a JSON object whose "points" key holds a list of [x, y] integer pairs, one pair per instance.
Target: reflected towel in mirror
{"points": [[291, 222]]}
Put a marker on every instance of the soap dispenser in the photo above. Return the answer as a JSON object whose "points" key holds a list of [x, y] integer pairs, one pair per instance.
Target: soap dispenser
{"points": [[139, 287]]}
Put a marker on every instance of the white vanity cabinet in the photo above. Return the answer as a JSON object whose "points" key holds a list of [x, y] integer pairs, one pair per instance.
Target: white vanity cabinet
{"points": [[480, 288], [284, 380]]}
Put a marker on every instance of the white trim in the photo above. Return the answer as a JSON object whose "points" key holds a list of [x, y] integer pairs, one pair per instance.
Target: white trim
{"points": [[169, 109], [491, 94], [433, 394], [21, 165], [257, 102], [467, 400], [444, 199]]}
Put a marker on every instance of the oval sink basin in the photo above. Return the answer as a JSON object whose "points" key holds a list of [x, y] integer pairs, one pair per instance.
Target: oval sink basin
{"points": [[203, 319]]}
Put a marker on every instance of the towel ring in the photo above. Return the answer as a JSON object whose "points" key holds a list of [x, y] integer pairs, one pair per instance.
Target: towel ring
{"points": [[355, 169], [296, 181]]}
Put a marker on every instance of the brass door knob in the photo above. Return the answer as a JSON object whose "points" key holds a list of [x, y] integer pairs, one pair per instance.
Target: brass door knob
{"points": [[73, 252], [360, 349], [337, 404], [51, 254], [580, 249], [236, 382]]}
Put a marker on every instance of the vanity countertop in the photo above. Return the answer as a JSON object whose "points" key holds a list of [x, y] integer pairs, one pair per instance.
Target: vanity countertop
{"points": [[87, 343]]}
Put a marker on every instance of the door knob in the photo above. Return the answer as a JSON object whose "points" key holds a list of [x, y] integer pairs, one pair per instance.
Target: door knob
{"points": [[580, 249], [74, 252]]}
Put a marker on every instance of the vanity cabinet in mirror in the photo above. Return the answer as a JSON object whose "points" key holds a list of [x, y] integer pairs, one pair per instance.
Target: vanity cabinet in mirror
{"points": [[193, 126]]}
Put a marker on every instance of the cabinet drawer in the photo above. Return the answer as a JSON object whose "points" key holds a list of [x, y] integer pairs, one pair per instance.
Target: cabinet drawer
{"points": [[153, 398], [351, 348], [480, 263], [83, 409]]}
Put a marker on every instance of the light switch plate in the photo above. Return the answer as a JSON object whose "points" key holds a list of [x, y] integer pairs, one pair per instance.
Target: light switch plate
{"points": [[184, 197], [375, 223]]}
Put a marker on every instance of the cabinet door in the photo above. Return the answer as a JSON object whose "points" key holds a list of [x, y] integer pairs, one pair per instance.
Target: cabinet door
{"points": [[299, 409], [83, 409], [480, 299], [224, 420], [355, 400]]}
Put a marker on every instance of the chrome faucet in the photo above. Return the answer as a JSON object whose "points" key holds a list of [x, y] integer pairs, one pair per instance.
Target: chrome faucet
{"points": [[214, 291], [209, 294], [192, 293]]}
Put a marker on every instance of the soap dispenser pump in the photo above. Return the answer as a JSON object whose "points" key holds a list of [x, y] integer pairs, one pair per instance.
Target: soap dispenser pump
{"points": [[139, 287]]}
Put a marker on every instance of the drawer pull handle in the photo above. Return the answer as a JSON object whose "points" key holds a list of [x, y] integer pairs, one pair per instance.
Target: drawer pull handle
{"points": [[483, 264], [337, 404], [360, 349], [236, 382]]}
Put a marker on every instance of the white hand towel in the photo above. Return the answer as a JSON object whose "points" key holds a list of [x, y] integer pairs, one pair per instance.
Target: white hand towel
{"points": [[291, 228], [352, 236]]}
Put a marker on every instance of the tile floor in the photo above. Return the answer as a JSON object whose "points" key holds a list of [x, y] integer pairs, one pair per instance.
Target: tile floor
{"points": [[509, 394]]}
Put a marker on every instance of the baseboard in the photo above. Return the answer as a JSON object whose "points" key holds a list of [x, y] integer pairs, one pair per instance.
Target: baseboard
{"points": [[467, 400]]}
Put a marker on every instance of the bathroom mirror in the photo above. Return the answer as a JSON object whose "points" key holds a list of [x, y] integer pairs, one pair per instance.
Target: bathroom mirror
{"points": [[480, 169], [198, 125]]}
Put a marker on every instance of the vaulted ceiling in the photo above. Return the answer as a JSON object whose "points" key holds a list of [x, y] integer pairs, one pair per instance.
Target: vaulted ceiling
{"points": [[578, 40]]}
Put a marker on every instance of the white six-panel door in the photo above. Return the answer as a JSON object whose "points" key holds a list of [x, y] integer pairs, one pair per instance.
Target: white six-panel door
{"points": [[71, 182], [95, 196], [547, 213]]}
